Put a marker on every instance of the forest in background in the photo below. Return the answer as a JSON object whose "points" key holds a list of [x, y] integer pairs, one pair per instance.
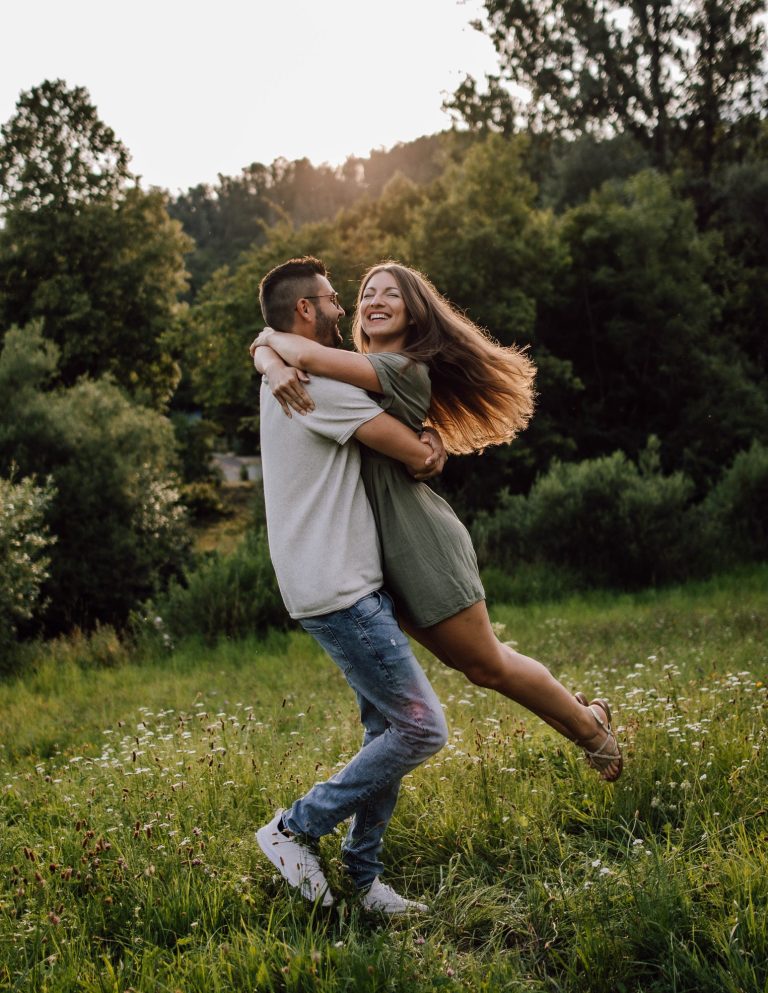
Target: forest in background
{"points": [[617, 225]]}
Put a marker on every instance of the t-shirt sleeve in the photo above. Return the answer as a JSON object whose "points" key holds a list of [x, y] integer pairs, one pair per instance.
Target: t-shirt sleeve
{"points": [[340, 409], [403, 380]]}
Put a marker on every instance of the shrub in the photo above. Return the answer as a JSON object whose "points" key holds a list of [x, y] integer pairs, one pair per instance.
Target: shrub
{"points": [[24, 543], [607, 519], [734, 514], [202, 499], [194, 443], [116, 515], [500, 537], [102, 648], [231, 596]]}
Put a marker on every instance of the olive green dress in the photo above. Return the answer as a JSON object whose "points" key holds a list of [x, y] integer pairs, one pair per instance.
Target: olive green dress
{"points": [[430, 567]]}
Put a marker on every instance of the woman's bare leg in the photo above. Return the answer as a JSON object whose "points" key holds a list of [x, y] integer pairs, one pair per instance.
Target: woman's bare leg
{"points": [[466, 642]]}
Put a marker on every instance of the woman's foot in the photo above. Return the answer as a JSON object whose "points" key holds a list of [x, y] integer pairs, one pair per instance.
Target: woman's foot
{"points": [[601, 748]]}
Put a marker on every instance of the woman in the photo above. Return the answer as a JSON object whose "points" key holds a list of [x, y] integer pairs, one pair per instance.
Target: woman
{"points": [[424, 360]]}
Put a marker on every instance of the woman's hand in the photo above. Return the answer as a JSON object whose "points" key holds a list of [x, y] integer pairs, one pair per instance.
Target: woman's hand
{"points": [[436, 455], [287, 386], [261, 339], [285, 382]]}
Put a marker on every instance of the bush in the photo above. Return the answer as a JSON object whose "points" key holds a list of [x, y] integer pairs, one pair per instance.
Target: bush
{"points": [[500, 537], [607, 519], [202, 499], [734, 514], [225, 596], [194, 443], [102, 648], [120, 528], [24, 543]]}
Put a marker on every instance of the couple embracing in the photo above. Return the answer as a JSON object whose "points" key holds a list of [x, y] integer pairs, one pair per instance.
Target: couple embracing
{"points": [[366, 553]]}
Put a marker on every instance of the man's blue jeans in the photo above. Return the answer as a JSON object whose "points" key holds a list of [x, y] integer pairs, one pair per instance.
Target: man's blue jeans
{"points": [[404, 724]]}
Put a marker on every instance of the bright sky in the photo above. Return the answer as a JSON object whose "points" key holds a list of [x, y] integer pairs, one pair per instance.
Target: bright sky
{"points": [[195, 89]]}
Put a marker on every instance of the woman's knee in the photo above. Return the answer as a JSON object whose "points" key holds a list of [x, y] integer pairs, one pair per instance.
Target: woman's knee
{"points": [[488, 672]]}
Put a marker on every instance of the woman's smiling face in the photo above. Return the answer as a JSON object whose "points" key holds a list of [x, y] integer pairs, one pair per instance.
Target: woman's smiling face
{"points": [[383, 314]]}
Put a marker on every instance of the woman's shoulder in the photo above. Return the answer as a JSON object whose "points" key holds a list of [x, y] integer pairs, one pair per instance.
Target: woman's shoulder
{"points": [[398, 363], [405, 386]]}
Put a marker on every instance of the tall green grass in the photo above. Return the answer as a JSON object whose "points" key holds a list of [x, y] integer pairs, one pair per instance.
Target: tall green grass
{"points": [[129, 797]]}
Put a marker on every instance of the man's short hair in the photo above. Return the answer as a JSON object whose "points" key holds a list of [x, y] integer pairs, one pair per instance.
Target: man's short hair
{"points": [[282, 288]]}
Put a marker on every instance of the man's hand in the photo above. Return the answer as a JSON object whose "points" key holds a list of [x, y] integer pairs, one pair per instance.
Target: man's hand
{"points": [[436, 455]]}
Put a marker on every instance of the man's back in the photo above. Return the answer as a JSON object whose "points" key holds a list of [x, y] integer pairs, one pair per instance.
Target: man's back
{"points": [[322, 536]]}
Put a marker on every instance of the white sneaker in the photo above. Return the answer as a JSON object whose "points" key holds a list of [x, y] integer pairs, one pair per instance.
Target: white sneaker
{"points": [[295, 862], [384, 899]]}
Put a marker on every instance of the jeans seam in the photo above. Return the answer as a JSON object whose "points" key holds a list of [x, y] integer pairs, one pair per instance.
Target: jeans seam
{"points": [[388, 672], [331, 635]]}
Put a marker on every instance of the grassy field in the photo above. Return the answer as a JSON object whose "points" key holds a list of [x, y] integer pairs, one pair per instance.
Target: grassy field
{"points": [[129, 797]]}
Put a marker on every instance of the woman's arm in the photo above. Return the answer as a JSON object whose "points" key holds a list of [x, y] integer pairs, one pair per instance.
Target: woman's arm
{"points": [[285, 382], [388, 436], [335, 363]]}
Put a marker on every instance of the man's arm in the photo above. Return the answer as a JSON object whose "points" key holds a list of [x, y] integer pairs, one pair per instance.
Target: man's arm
{"points": [[388, 436]]}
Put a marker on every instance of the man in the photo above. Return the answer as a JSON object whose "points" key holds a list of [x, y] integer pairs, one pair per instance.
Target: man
{"points": [[325, 552]]}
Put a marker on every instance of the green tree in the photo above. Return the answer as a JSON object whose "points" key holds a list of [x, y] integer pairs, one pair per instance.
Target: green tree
{"points": [[235, 214], [638, 321], [116, 516], [666, 72], [224, 220], [100, 263], [738, 231], [56, 152], [484, 243]]}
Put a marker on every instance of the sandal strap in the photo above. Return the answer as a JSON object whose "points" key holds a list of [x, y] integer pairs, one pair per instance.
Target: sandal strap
{"points": [[605, 725], [610, 739]]}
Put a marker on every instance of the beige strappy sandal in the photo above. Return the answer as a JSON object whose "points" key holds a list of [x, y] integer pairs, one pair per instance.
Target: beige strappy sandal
{"points": [[609, 752]]}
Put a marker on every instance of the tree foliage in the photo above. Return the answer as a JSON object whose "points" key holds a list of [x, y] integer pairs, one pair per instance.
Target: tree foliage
{"points": [[55, 152], [235, 214], [639, 320], [105, 281], [116, 516], [100, 263], [24, 544], [669, 73]]}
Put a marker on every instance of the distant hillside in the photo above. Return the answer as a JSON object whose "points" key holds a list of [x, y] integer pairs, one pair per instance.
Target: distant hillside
{"points": [[228, 217]]}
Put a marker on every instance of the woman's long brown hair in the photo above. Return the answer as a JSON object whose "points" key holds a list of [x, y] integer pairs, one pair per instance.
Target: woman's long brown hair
{"points": [[482, 392]]}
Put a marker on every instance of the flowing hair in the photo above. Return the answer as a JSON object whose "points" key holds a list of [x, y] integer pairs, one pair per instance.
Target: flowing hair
{"points": [[482, 392]]}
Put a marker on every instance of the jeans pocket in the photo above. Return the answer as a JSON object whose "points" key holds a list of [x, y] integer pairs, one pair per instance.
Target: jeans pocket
{"points": [[371, 605]]}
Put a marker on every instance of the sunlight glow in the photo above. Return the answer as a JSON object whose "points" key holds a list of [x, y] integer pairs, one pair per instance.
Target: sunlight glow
{"points": [[195, 89]]}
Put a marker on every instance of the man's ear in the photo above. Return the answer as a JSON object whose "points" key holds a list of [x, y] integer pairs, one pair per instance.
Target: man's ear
{"points": [[304, 310]]}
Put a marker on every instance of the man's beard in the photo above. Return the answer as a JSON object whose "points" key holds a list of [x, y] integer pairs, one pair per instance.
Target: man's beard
{"points": [[327, 331]]}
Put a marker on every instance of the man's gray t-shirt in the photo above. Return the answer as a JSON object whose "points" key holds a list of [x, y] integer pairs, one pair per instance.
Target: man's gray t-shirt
{"points": [[322, 535]]}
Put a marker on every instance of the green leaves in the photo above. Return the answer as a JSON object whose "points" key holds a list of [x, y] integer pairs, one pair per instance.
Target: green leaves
{"points": [[674, 75], [56, 152], [24, 543], [116, 514], [98, 262]]}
